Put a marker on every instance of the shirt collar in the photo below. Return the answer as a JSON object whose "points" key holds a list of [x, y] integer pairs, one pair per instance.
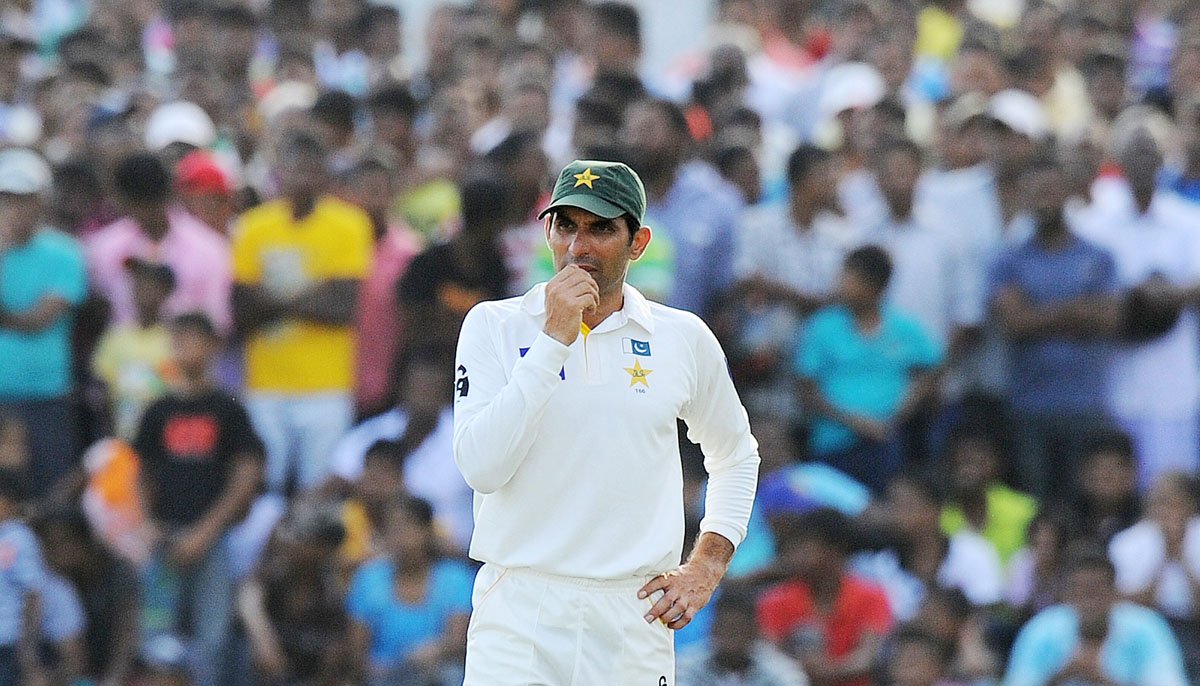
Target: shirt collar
{"points": [[635, 307]]}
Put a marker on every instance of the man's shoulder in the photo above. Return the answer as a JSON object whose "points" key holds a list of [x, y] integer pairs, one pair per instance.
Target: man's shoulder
{"points": [[261, 216]]}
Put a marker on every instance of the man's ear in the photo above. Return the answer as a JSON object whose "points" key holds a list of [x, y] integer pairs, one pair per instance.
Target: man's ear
{"points": [[547, 221], [641, 239]]}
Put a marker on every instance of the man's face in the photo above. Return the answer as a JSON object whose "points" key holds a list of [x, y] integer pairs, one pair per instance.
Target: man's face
{"points": [[1107, 477], [733, 635], [1141, 160], [974, 462], [652, 143], [818, 187], [19, 216], [1106, 88], [1045, 194], [898, 173], [302, 173], [193, 351], [1091, 592], [602, 247]]}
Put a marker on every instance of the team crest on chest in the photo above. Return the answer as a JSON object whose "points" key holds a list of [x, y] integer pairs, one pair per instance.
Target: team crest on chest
{"points": [[638, 375]]}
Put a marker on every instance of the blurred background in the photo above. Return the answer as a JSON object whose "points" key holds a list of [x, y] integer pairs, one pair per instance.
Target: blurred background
{"points": [[951, 249]]}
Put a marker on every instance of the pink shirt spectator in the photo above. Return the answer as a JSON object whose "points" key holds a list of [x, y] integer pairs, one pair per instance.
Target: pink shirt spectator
{"points": [[199, 257], [379, 320]]}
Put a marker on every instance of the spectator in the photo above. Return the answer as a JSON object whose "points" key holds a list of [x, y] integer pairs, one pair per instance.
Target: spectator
{"points": [[134, 360], [409, 609], [448, 279], [1035, 571], [422, 426], [922, 558], [380, 482], [1157, 560], [293, 609], [687, 200], [982, 502], [1095, 637], [298, 264], [919, 659], [787, 266], [372, 186], [864, 369], [928, 282], [42, 279], [107, 587], [949, 616], [1108, 500], [1154, 381], [157, 230], [738, 655], [205, 190], [830, 620], [22, 586], [202, 467], [1054, 298]]}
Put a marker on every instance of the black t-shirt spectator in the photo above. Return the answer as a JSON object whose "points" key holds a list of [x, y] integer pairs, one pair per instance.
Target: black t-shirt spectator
{"points": [[188, 447]]}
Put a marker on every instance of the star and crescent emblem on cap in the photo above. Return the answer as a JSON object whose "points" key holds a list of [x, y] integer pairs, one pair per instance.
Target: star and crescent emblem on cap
{"points": [[637, 375], [585, 178]]}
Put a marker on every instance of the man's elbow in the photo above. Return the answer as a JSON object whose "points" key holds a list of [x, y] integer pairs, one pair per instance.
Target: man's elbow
{"points": [[482, 477]]}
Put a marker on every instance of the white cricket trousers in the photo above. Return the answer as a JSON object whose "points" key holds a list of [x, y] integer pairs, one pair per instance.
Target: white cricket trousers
{"points": [[535, 629]]}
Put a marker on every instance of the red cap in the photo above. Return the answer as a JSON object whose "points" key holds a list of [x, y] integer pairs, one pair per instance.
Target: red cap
{"points": [[198, 172]]}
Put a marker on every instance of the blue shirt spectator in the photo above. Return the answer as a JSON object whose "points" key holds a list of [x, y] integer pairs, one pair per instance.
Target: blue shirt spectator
{"points": [[1138, 650], [867, 374], [699, 214], [38, 363], [1057, 373], [397, 627], [22, 571]]}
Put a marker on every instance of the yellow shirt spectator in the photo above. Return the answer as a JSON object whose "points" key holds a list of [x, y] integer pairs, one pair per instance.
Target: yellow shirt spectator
{"points": [[273, 249]]}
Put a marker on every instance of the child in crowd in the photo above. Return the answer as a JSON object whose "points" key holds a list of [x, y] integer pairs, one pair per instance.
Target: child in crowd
{"points": [[134, 360]]}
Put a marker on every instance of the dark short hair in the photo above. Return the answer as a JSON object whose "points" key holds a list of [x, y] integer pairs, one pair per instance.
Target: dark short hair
{"points": [[1096, 62], [1112, 441], [673, 113], [1088, 555], [335, 107], [194, 322], [825, 525], [903, 146], [872, 264], [89, 71], [620, 19], [512, 147], [803, 160], [142, 177], [390, 453], [415, 508], [483, 200], [233, 15], [373, 15], [71, 518], [924, 482], [393, 99], [728, 156], [597, 111], [942, 649], [12, 486], [302, 143]]}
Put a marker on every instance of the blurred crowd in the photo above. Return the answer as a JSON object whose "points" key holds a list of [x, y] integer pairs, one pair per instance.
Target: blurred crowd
{"points": [[951, 248]]}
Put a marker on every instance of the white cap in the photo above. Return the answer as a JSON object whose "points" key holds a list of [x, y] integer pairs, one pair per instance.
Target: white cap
{"points": [[1021, 112], [286, 97], [23, 172], [853, 85], [179, 122]]}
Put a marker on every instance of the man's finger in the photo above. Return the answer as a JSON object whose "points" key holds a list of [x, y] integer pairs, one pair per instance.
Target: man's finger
{"points": [[658, 583], [683, 619], [662, 606]]}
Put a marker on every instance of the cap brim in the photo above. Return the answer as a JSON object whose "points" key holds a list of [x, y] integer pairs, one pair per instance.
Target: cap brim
{"points": [[592, 203]]}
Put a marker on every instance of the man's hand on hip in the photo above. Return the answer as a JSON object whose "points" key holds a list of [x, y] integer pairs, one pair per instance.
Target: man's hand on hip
{"points": [[569, 294], [688, 588]]}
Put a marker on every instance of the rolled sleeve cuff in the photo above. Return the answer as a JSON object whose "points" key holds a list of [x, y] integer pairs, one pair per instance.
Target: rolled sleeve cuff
{"points": [[729, 532]]}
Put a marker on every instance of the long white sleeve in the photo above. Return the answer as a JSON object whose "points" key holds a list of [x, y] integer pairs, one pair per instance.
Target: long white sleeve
{"points": [[496, 415], [718, 422]]}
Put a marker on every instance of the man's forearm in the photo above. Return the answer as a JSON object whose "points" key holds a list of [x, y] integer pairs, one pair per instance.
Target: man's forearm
{"points": [[713, 549], [234, 501]]}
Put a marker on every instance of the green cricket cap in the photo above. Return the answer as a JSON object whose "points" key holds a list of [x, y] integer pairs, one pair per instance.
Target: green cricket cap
{"points": [[606, 189]]}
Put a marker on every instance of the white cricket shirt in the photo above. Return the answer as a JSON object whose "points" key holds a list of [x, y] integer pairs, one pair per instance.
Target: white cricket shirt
{"points": [[573, 451]]}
